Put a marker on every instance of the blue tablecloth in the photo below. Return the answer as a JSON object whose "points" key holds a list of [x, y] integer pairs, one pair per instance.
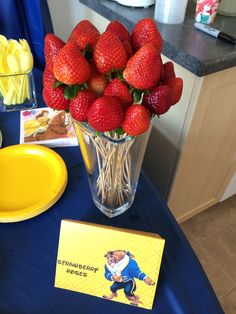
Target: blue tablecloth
{"points": [[28, 249]]}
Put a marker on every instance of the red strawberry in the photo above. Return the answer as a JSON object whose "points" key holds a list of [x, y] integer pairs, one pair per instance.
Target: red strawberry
{"points": [[84, 25], [97, 83], [80, 104], [146, 31], [54, 98], [137, 120], [105, 114], [123, 34], [109, 53], [52, 45], [84, 33], [143, 70], [70, 66], [128, 48], [119, 89], [93, 69], [168, 70], [48, 77], [119, 30], [158, 101], [176, 88]]}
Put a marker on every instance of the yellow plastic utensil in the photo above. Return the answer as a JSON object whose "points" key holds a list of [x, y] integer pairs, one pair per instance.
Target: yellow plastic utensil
{"points": [[15, 58]]}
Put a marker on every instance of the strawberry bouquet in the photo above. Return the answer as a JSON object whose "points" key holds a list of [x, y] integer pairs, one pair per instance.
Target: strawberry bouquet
{"points": [[112, 84]]}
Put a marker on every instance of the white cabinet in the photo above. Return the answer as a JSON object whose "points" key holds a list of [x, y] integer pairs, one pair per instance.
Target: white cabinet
{"points": [[66, 14], [207, 161], [168, 134]]}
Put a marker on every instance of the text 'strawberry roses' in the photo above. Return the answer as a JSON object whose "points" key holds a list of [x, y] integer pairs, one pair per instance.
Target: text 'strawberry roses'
{"points": [[70, 66], [109, 53], [143, 69], [80, 105], [105, 114], [146, 31], [52, 45], [119, 89], [158, 100], [54, 98], [137, 120]]}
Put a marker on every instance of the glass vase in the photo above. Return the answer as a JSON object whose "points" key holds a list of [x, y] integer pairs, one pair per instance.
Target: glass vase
{"points": [[17, 92], [113, 163]]}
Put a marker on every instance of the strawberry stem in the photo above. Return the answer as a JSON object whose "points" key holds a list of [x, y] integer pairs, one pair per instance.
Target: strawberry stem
{"points": [[137, 95], [71, 91], [115, 73], [119, 131], [57, 83], [88, 52], [146, 92]]}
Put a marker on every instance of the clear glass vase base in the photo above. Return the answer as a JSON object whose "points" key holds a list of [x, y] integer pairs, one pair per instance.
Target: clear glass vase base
{"points": [[111, 213], [24, 106], [113, 163]]}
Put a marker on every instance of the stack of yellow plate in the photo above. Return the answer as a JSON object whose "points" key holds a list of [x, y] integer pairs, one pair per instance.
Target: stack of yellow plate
{"points": [[32, 179]]}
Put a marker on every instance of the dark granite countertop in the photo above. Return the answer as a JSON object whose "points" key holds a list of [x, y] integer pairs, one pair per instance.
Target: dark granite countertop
{"points": [[196, 51]]}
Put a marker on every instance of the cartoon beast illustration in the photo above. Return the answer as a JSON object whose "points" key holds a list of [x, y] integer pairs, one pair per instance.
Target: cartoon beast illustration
{"points": [[122, 269]]}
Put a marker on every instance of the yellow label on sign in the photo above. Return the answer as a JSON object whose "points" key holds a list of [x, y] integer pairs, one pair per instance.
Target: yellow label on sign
{"points": [[112, 263]]}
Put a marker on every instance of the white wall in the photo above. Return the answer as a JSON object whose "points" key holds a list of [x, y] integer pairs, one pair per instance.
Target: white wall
{"points": [[67, 13], [231, 189]]}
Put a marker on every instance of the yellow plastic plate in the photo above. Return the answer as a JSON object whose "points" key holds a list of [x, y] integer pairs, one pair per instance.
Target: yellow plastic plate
{"points": [[32, 179]]}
